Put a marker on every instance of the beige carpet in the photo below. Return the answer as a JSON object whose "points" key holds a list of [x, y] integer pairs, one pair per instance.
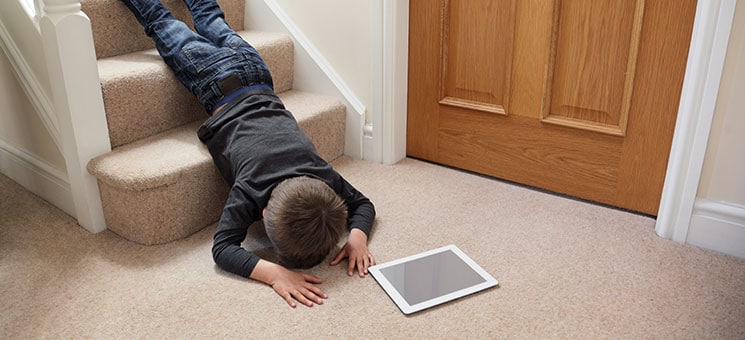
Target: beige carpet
{"points": [[567, 269]]}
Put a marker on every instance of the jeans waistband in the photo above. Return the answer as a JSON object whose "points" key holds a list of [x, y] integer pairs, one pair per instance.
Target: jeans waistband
{"points": [[238, 92], [227, 114]]}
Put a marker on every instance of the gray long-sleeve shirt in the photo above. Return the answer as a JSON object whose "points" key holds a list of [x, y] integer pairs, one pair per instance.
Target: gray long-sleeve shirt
{"points": [[255, 144]]}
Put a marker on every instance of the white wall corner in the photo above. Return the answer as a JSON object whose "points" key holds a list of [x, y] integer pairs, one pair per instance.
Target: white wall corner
{"points": [[718, 226], [372, 147], [313, 73], [386, 141], [709, 40]]}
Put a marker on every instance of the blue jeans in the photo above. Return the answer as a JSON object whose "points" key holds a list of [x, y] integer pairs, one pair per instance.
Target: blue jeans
{"points": [[212, 63]]}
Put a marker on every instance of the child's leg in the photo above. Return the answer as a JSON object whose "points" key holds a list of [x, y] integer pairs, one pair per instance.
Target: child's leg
{"points": [[209, 21], [197, 63], [171, 38]]}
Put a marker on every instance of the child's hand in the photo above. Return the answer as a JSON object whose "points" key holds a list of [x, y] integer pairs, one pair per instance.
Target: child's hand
{"points": [[290, 285], [356, 251]]}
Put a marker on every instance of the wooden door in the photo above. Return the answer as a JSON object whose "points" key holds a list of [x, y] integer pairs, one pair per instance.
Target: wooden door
{"points": [[577, 97]]}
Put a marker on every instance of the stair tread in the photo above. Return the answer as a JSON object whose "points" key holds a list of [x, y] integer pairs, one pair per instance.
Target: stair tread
{"points": [[161, 159]]}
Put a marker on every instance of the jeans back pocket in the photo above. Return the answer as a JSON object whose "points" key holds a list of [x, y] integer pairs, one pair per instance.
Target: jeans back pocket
{"points": [[202, 55]]}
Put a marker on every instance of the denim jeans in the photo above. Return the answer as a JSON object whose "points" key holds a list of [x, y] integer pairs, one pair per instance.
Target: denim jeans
{"points": [[209, 62]]}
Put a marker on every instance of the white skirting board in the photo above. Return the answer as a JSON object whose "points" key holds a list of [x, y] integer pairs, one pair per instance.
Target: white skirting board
{"points": [[718, 226], [37, 176]]}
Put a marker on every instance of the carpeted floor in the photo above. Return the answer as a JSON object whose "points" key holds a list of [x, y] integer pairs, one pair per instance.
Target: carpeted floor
{"points": [[567, 269]]}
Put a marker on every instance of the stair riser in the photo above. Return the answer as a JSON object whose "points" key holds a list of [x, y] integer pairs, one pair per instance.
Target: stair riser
{"points": [[166, 213], [144, 110], [326, 131]]}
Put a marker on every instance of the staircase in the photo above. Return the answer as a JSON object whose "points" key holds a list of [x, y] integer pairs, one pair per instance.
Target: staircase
{"points": [[158, 184]]}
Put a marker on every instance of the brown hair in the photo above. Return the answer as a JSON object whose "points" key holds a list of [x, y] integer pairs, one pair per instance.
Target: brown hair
{"points": [[304, 219]]}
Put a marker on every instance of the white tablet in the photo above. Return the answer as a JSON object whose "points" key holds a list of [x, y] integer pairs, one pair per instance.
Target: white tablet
{"points": [[430, 278]]}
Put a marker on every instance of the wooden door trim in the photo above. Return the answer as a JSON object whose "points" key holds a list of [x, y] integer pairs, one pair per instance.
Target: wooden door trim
{"points": [[713, 22]]}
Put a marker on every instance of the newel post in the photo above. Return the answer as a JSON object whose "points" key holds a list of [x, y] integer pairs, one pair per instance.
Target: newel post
{"points": [[76, 93]]}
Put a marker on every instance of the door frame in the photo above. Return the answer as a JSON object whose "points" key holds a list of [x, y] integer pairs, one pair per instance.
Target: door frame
{"points": [[709, 40]]}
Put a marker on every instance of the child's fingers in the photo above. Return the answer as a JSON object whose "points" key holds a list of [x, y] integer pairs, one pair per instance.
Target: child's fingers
{"points": [[319, 294], [300, 297], [342, 254], [288, 299], [361, 266], [312, 279], [350, 268], [312, 295], [363, 263]]}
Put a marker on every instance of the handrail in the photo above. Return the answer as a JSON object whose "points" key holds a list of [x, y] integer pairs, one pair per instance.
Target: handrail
{"points": [[38, 9]]}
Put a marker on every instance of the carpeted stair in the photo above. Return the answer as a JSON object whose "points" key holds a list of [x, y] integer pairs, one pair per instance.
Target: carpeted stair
{"points": [[159, 183]]}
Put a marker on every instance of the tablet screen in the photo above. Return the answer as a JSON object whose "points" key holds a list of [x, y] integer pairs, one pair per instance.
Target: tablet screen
{"points": [[430, 278]]}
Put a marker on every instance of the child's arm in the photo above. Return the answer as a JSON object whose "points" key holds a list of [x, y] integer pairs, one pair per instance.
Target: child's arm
{"points": [[237, 215], [357, 252], [361, 216], [288, 284]]}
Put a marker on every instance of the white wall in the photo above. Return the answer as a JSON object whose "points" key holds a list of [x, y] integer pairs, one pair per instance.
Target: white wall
{"points": [[342, 31], [19, 124], [718, 220], [723, 176], [28, 153], [25, 34]]}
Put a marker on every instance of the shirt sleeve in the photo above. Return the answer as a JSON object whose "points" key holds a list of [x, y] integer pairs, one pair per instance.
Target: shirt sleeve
{"points": [[360, 210], [231, 232]]}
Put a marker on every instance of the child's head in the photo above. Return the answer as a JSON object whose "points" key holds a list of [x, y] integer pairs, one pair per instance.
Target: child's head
{"points": [[304, 219]]}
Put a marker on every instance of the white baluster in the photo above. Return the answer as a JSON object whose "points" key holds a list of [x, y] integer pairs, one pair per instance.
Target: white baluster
{"points": [[78, 103]]}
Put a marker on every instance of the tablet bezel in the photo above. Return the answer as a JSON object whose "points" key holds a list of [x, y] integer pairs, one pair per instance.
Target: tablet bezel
{"points": [[405, 307]]}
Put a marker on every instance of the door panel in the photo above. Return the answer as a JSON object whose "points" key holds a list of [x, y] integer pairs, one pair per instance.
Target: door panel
{"points": [[464, 35], [592, 68], [573, 96]]}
